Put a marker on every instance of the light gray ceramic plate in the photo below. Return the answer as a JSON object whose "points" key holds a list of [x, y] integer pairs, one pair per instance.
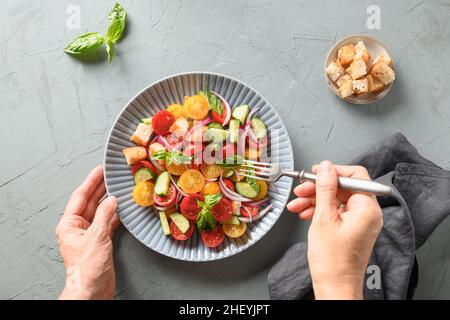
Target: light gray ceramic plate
{"points": [[144, 224]]}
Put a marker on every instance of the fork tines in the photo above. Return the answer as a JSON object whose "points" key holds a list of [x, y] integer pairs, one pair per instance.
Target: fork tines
{"points": [[256, 170]]}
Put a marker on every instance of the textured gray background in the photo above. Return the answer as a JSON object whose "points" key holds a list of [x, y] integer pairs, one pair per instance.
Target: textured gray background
{"points": [[56, 112]]}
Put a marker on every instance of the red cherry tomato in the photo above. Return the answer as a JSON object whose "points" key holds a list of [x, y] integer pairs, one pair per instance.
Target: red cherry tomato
{"points": [[162, 121], [253, 211], [177, 234], [213, 238], [167, 200], [229, 184], [189, 206], [141, 164], [220, 117], [223, 210]]}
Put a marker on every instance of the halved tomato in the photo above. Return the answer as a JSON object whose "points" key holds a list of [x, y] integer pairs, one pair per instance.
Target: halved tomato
{"points": [[162, 121], [235, 230], [177, 234], [223, 210], [191, 181], [252, 210], [211, 171], [176, 169], [211, 187], [213, 238], [229, 184], [197, 107], [142, 164], [167, 200], [143, 193], [189, 207], [220, 118]]}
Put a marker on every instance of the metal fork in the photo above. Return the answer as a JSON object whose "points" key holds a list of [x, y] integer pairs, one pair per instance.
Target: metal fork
{"points": [[271, 172]]}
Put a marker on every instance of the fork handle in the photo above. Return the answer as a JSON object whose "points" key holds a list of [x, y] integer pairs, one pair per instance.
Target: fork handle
{"points": [[353, 184]]}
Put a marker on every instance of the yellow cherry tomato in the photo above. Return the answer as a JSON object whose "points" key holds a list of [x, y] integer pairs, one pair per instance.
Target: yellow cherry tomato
{"points": [[143, 193], [191, 181], [176, 169], [211, 187], [252, 153], [177, 110], [262, 190], [234, 230], [211, 171], [236, 178], [197, 107]]}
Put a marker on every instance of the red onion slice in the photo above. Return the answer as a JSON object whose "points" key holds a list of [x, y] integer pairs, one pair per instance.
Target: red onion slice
{"points": [[227, 108], [211, 179], [231, 194], [167, 145], [261, 214], [250, 115], [257, 203], [159, 208]]}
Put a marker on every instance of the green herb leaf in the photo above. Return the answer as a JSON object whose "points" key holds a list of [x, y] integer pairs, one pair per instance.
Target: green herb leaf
{"points": [[85, 43], [118, 21], [178, 158], [252, 181], [212, 199], [214, 102], [205, 220], [159, 155]]}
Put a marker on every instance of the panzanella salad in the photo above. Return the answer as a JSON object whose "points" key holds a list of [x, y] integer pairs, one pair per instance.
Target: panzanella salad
{"points": [[186, 167]]}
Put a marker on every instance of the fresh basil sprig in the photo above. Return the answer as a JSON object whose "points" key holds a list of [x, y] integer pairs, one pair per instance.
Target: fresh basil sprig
{"points": [[88, 42], [85, 43], [171, 157], [205, 219], [214, 101]]}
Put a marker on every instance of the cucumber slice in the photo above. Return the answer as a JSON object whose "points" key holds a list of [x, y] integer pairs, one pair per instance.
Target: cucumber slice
{"points": [[146, 120], [164, 223], [215, 125], [233, 220], [246, 190], [227, 173], [234, 130], [143, 174], [216, 135], [181, 222], [258, 127], [162, 184], [240, 113]]}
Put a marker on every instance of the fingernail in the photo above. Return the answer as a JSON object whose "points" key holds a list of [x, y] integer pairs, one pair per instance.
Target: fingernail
{"points": [[325, 166]]}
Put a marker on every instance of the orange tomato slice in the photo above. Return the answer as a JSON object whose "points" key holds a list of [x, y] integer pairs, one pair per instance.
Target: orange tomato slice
{"points": [[211, 171], [197, 107], [234, 230], [210, 187], [177, 110], [191, 181], [143, 193], [176, 169], [262, 190]]}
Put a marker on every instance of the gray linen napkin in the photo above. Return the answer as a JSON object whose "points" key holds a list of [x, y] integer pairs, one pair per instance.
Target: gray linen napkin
{"points": [[421, 201]]}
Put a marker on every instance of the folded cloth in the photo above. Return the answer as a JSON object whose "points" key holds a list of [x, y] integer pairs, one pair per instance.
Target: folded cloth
{"points": [[420, 202]]}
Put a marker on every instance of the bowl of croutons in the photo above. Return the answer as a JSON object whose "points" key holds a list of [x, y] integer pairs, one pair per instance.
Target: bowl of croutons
{"points": [[360, 69]]}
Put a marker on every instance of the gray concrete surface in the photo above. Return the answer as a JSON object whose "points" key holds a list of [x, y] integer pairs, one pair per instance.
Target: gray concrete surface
{"points": [[55, 114]]}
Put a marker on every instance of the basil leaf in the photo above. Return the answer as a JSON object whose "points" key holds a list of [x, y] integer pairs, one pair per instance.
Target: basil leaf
{"points": [[85, 43], [212, 199], [178, 157], [159, 155], [118, 20], [205, 220]]}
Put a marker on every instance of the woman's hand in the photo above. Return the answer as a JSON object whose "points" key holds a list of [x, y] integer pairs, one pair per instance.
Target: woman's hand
{"points": [[343, 231], [84, 237]]}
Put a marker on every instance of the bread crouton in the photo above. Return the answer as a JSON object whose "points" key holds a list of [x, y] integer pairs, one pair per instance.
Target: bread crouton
{"points": [[346, 89], [375, 85], [346, 54], [142, 134], [360, 86], [334, 70], [134, 154], [361, 52], [357, 69], [342, 78], [383, 72], [382, 57]]}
